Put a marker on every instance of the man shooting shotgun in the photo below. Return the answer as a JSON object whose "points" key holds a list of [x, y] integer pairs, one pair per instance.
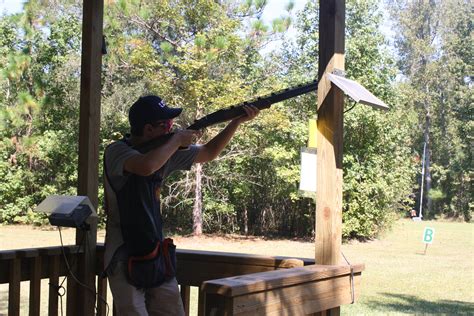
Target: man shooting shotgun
{"points": [[232, 112], [139, 261]]}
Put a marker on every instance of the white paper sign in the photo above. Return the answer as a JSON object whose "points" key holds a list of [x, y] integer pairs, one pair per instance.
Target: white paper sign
{"points": [[308, 169]]}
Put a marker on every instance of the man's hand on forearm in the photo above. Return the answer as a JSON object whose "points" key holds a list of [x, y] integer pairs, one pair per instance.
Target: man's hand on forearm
{"points": [[251, 112], [215, 146]]}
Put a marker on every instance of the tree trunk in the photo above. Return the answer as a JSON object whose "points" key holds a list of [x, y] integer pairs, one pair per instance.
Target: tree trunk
{"points": [[429, 202], [246, 221], [197, 209]]}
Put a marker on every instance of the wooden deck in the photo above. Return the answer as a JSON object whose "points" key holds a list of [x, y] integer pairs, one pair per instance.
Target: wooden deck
{"points": [[230, 283]]}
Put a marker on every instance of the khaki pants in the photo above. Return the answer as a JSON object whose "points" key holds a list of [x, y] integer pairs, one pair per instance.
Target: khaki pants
{"points": [[130, 301]]}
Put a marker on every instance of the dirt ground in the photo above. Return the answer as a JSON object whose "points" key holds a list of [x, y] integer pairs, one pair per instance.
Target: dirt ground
{"points": [[32, 237]]}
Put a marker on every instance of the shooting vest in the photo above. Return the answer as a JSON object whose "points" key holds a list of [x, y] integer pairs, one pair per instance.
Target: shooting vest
{"points": [[139, 209]]}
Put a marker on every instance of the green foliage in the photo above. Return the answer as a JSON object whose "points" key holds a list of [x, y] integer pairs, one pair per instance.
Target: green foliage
{"points": [[434, 42], [204, 62], [375, 191], [378, 162], [38, 131]]}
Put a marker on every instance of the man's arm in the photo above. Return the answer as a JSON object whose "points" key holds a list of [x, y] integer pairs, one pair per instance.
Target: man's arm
{"points": [[147, 164], [214, 147]]}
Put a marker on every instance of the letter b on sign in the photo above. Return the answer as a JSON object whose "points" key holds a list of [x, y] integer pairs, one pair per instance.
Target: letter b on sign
{"points": [[428, 235]]}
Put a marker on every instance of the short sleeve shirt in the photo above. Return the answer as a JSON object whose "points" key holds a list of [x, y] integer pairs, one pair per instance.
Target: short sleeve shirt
{"points": [[115, 156]]}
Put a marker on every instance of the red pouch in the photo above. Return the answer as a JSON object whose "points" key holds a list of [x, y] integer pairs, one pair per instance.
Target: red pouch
{"points": [[155, 268]]}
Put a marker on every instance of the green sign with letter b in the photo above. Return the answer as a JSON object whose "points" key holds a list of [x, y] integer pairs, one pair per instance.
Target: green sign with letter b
{"points": [[428, 235]]}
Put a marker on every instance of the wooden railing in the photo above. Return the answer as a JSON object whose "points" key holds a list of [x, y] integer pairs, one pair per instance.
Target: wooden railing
{"points": [[194, 267], [299, 291]]}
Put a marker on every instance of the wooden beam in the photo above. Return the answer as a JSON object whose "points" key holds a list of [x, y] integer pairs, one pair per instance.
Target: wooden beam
{"points": [[89, 127], [297, 291], [14, 277], [187, 260], [53, 284], [329, 134], [35, 286], [213, 265], [185, 292], [271, 280]]}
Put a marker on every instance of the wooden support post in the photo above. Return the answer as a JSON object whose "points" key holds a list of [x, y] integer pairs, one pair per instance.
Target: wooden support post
{"points": [[102, 308], [91, 66], [89, 127], [201, 302], [329, 136], [54, 266], [330, 125], [14, 279], [35, 286], [186, 298]]}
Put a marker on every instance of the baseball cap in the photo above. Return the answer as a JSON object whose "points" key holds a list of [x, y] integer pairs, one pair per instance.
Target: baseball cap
{"points": [[149, 109]]}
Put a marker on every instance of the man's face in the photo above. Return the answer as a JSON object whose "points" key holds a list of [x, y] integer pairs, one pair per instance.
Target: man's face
{"points": [[158, 128]]}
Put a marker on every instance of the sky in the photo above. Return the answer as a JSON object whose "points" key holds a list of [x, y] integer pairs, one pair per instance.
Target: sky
{"points": [[10, 6], [274, 8]]}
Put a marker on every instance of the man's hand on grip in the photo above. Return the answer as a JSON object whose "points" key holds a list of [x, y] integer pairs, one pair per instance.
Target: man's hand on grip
{"points": [[186, 137]]}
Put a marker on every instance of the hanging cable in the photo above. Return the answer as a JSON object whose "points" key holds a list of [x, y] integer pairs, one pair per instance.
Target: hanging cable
{"points": [[353, 106], [352, 278], [61, 290], [69, 269]]}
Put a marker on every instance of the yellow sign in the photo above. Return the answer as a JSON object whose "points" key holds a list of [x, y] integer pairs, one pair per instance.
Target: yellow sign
{"points": [[312, 134]]}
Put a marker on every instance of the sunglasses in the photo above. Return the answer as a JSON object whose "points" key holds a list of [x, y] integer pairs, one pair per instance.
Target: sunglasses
{"points": [[166, 124]]}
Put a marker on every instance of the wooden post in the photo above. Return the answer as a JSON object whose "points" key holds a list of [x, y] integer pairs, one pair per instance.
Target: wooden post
{"points": [[14, 286], [329, 135], [88, 175], [35, 286], [54, 266]]}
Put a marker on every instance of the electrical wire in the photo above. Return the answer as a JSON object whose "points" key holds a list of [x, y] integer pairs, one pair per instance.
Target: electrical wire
{"points": [[352, 278], [60, 286], [84, 238], [353, 106], [100, 297]]}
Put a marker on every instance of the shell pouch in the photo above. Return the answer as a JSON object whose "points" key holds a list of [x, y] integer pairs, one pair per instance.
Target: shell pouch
{"points": [[155, 268]]}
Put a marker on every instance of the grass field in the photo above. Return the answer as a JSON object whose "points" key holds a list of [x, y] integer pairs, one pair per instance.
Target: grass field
{"points": [[399, 277]]}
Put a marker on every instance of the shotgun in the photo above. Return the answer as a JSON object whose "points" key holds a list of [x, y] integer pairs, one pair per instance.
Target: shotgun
{"points": [[232, 112]]}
